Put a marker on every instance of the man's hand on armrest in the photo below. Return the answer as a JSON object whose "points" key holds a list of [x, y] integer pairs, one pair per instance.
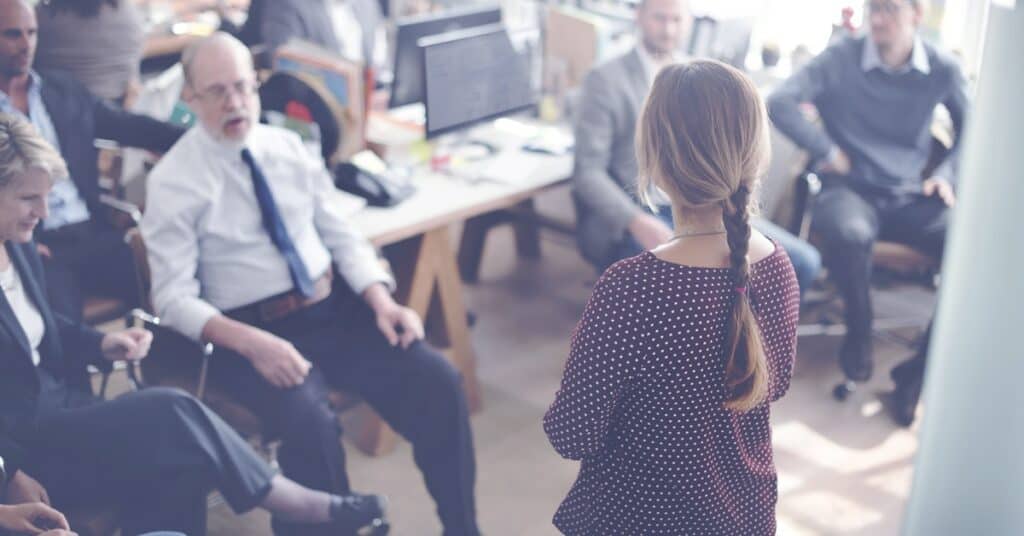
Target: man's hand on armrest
{"points": [[274, 358]]}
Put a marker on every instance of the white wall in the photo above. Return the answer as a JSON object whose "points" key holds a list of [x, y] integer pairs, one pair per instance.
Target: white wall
{"points": [[969, 477]]}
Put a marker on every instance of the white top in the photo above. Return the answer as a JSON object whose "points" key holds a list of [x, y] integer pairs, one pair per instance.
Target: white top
{"points": [[208, 250], [24, 310], [652, 66], [348, 30], [350, 34]]}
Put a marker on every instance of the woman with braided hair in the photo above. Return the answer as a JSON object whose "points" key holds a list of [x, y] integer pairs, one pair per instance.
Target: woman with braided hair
{"points": [[680, 349]]}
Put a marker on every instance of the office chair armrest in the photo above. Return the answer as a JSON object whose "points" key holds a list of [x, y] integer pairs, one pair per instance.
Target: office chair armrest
{"points": [[808, 186], [121, 214], [140, 318]]}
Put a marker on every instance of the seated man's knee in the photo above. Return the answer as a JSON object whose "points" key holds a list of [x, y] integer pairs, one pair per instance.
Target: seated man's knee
{"points": [[442, 380], [850, 233], [307, 412]]}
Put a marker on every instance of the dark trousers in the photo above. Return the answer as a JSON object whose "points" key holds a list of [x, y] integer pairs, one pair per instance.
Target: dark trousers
{"points": [[415, 390], [849, 222], [155, 454], [87, 259]]}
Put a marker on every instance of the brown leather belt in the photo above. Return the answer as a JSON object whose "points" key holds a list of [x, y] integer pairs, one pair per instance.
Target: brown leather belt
{"points": [[282, 305]]}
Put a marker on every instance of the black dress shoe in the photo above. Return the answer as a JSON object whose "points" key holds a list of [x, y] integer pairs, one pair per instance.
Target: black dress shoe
{"points": [[902, 407], [903, 400], [359, 514], [351, 515], [855, 359]]}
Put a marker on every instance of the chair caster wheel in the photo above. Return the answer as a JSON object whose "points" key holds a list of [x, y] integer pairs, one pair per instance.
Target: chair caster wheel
{"points": [[844, 390]]}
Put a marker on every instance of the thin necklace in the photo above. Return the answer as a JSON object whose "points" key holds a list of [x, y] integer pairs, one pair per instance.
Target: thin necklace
{"points": [[698, 233]]}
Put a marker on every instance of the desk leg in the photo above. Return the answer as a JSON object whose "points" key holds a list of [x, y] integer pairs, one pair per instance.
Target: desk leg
{"points": [[471, 245], [527, 231], [453, 308]]}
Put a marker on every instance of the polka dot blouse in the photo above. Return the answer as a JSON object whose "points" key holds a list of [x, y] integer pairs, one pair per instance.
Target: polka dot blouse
{"points": [[642, 403]]}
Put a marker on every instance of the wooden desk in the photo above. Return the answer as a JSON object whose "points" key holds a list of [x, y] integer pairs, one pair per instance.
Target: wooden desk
{"points": [[415, 238]]}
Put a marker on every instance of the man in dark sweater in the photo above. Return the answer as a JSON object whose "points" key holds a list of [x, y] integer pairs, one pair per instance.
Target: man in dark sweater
{"points": [[84, 253], [876, 96]]}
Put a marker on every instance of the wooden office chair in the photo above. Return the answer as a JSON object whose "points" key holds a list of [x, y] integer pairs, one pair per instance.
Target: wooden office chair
{"points": [[100, 309]]}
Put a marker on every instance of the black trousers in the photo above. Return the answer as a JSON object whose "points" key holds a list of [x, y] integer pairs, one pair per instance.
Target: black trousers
{"points": [[87, 259], [415, 390], [849, 221], [155, 453]]}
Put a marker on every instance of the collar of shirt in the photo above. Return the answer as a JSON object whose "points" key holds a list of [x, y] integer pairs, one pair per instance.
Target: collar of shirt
{"points": [[226, 149], [871, 59], [34, 83], [651, 65]]}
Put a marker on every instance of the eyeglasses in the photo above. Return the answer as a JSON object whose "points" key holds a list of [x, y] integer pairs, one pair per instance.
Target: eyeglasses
{"points": [[886, 8], [220, 92]]}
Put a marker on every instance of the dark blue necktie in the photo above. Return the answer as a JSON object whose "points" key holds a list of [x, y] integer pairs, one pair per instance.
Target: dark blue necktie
{"points": [[275, 226]]}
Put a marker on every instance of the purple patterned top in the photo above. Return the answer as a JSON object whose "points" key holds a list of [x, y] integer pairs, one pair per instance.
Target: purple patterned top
{"points": [[642, 402]]}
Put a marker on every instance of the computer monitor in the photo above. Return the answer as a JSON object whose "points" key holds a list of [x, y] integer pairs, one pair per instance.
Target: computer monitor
{"points": [[471, 76], [407, 86]]}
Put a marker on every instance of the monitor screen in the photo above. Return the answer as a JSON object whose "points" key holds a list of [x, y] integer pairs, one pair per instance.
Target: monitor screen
{"points": [[471, 76], [407, 86]]}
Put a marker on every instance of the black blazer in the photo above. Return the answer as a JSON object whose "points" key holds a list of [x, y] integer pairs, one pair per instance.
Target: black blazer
{"points": [[14, 459], [66, 349], [79, 117]]}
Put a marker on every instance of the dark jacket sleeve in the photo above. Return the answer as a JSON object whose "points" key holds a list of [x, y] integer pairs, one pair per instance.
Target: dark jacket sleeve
{"points": [[818, 77], [82, 342], [956, 103], [14, 455], [133, 130], [76, 339]]}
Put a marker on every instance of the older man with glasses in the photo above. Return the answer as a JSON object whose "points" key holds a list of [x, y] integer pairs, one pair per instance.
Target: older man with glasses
{"points": [[877, 95], [248, 252]]}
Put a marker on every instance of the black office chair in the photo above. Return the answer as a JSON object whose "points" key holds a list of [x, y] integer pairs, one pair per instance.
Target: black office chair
{"points": [[894, 265]]}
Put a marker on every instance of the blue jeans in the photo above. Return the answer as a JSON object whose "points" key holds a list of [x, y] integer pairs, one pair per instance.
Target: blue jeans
{"points": [[805, 257]]}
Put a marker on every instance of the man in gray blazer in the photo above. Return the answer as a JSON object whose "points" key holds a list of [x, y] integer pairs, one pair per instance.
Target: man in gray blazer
{"points": [[611, 222]]}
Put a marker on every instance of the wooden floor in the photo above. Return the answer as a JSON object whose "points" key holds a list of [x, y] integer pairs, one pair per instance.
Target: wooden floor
{"points": [[844, 469]]}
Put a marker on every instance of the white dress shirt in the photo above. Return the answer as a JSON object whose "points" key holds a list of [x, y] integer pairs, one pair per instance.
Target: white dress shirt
{"points": [[653, 66], [24, 310], [208, 249]]}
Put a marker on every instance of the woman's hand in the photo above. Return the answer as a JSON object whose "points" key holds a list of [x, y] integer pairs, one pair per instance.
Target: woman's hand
{"points": [[22, 488], [33, 518], [129, 345]]}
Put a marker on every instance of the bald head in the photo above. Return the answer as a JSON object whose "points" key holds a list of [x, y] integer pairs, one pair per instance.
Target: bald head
{"points": [[663, 25], [221, 86], [17, 38], [214, 50]]}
